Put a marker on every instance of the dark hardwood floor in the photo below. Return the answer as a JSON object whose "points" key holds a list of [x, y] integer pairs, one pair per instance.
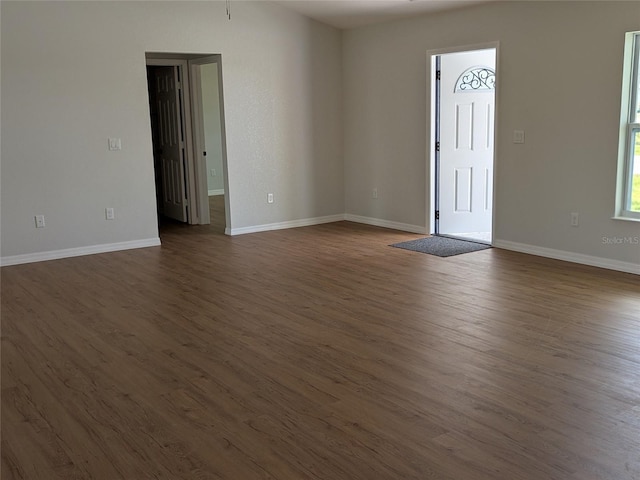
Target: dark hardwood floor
{"points": [[217, 213], [318, 353]]}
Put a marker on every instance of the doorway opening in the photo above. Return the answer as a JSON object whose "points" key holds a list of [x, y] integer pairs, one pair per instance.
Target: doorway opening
{"points": [[188, 133], [462, 138]]}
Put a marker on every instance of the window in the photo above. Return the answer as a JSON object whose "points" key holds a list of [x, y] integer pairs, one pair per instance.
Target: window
{"points": [[629, 188], [476, 78]]}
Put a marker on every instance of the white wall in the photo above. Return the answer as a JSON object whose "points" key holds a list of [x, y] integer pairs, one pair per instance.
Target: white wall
{"points": [[73, 74], [559, 79], [212, 127]]}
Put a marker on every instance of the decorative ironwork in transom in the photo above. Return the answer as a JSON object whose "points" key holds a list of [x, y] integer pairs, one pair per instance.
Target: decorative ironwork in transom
{"points": [[476, 78]]}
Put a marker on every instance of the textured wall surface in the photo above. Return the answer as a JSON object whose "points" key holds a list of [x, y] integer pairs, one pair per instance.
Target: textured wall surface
{"points": [[316, 116], [73, 74], [559, 80]]}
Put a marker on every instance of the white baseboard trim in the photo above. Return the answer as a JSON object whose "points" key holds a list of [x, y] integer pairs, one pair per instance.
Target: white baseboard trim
{"points": [[77, 252], [305, 222], [626, 267], [213, 193], [377, 222]]}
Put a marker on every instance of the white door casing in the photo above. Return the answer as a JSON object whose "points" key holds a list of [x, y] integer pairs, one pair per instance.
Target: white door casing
{"points": [[466, 144], [171, 143]]}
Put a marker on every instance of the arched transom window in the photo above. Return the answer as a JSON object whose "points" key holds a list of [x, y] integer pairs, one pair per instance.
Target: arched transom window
{"points": [[476, 78]]}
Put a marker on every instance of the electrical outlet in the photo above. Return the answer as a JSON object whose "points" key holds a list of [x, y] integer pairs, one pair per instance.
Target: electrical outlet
{"points": [[575, 219], [39, 221], [269, 197], [109, 213], [374, 193], [213, 172]]}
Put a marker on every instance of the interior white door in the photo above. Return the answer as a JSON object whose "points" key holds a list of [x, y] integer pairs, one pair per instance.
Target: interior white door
{"points": [[467, 99], [171, 143]]}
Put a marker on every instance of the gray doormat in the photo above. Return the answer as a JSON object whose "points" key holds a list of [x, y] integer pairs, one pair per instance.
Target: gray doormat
{"points": [[441, 246]]}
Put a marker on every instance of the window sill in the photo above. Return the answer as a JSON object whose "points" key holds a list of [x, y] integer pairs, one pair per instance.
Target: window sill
{"points": [[628, 219]]}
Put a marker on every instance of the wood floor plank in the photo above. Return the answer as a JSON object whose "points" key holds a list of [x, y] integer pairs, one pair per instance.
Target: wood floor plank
{"points": [[317, 353]]}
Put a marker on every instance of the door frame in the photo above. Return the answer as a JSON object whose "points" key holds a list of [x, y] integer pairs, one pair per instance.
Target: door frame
{"points": [[431, 156], [197, 192]]}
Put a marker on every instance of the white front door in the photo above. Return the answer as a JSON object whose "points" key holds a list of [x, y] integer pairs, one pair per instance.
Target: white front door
{"points": [[171, 142], [467, 99]]}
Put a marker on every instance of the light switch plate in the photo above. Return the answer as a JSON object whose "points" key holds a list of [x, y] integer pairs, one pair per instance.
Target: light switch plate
{"points": [[518, 136], [115, 144]]}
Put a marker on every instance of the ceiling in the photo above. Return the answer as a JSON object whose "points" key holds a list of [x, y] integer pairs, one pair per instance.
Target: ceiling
{"points": [[357, 13]]}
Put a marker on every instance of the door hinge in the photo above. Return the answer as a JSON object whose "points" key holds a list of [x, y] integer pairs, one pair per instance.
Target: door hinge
{"points": [[437, 146], [438, 74], [437, 214]]}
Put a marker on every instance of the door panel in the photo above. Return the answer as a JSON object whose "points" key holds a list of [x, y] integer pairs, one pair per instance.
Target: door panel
{"points": [[466, 147], [488, 175], [464, 127], [488, 144], [462, 188], [171, 143]]}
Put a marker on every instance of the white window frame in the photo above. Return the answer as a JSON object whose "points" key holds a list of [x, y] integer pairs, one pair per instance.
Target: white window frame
{"points": [[628, 126]]}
